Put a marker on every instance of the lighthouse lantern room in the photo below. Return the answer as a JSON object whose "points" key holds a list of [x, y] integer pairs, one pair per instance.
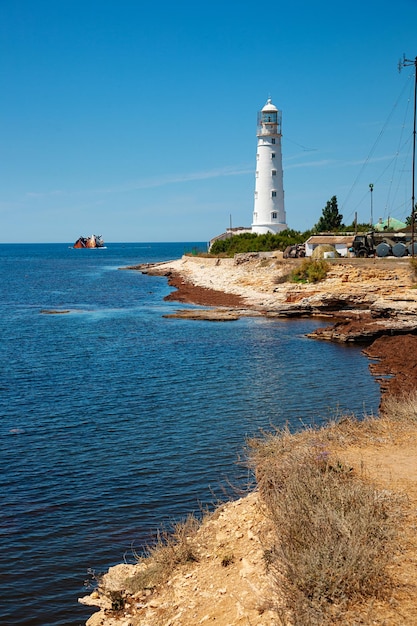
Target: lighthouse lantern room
{"points": [[269, 212]]}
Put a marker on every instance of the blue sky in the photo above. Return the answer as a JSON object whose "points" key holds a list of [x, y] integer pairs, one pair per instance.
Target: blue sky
{"points": [[137, 120]]}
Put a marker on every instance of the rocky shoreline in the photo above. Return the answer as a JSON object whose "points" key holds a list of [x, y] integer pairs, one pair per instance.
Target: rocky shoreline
{"points": [[364, 298], [364, 302]]}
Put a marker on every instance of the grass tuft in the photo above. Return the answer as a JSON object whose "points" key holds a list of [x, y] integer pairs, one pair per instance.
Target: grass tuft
{"points": [[171, 549], [400, 409], [227, 559]]}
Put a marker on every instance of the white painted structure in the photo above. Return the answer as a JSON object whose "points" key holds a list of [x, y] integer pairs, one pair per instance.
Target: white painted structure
{"points": [[341, 243], [269, 212]]}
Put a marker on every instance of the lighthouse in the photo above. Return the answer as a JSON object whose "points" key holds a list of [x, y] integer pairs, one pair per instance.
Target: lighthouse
{"points": [[269, 212]]}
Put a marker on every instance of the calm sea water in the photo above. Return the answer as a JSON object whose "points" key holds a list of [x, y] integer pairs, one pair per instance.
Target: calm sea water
{"points": [[114, 419]]}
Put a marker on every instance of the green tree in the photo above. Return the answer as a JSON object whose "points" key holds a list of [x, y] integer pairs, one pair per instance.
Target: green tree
{"points": [[408, 219], [330, 219], [361, 227]]}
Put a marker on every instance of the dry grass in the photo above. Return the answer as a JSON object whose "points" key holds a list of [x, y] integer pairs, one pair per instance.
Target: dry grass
{"points": [[402, 410], [282, 278], [334, 532], [413, 266], [171, 549]]}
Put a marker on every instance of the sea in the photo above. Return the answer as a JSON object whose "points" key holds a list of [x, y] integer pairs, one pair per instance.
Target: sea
{"points": [[116, 422]]}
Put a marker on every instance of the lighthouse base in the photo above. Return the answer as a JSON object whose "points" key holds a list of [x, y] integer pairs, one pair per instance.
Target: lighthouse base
{"points": [[263, 229]]}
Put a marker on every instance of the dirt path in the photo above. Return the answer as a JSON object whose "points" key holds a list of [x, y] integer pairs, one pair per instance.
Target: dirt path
{"points": [[391, 464]]}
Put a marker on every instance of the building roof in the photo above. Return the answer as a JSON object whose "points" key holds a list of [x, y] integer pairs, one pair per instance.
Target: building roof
{"points": [[390, 224], [269, 106], [330, 239]]}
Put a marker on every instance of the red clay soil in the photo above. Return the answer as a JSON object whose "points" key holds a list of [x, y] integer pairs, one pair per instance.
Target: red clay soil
{"points": [[397, 361], [187, 292]]}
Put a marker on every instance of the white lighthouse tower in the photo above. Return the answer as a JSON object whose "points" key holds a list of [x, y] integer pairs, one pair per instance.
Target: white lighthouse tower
{"points": [[269, 212]]}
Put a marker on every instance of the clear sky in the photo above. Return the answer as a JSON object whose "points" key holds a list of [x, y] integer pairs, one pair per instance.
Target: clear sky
{"points": [[137, 120]]}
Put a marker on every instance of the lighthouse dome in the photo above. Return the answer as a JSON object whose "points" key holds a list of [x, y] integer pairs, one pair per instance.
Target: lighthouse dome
{"points": [[269, 107]]}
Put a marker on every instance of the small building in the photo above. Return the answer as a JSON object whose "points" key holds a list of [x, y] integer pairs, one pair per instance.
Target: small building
{"points": [[341, 243], [391, 223], [230, 232]]}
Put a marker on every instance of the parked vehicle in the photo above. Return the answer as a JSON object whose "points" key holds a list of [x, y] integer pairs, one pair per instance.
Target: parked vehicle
{"points": [[297, 251], [382, 244]]}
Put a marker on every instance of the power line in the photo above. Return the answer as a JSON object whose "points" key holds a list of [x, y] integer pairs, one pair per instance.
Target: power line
{"points": [[372, 150]]}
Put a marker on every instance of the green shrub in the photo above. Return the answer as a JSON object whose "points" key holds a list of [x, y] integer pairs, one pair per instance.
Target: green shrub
{"points": [[251, 242], [310, 271]]}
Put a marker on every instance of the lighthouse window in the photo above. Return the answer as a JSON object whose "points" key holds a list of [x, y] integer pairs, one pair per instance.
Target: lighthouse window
{"points": [[272, 155], [274, 216], [273, 140], [256, 194], [274, 194], [269, 118], [256, 174], [274, 172]]}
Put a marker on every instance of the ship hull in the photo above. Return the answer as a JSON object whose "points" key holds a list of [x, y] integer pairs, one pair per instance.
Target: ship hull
{"points": [[95, 241]]}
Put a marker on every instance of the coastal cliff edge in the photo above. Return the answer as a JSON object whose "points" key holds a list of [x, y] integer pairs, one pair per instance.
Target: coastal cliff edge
{"points": [[368, 301]]}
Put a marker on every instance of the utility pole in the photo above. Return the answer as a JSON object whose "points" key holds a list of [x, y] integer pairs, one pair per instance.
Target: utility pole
{"points": [[371, 189], [405, 63]]}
